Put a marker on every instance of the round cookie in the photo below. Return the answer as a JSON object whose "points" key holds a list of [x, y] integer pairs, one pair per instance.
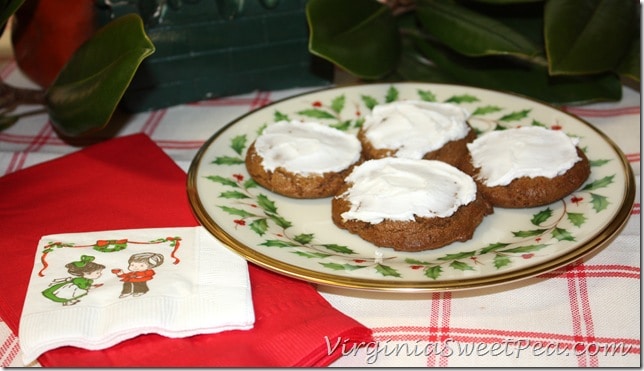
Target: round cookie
{"points": [[409, 205], [417, 129], [527, 166], [302, 159]]}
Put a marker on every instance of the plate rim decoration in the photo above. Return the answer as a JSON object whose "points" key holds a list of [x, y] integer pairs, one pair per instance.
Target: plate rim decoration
{"points": [[264, 257]]}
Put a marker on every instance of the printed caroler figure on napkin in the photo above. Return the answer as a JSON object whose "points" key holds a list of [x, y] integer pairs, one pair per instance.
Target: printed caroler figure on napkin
{"points": [[70, 290], [135, 282]]}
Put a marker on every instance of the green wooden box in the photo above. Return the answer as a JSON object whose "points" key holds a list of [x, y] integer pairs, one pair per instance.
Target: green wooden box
{"points": [[213, 48]]}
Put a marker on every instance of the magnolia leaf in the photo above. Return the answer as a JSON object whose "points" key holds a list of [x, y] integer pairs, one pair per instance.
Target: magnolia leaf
{"points": [[86, 92], [471, 33], [589, 36], [526, 79], [359, 36]]}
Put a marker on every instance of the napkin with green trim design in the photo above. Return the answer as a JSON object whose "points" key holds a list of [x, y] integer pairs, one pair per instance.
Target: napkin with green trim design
{"points": [[96, 289]]}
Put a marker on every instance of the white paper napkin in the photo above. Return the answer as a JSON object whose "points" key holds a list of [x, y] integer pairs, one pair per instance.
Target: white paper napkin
{"points": [[94, 290]]}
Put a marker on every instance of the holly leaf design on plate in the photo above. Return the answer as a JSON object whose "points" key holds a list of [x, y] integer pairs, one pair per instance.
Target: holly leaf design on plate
{"points": [[484, 110], [369, 101], [387, 271], [562, 235], [599, 202], [600, 183], [541, 217], [465, 98], [577, 219], [515, 116], [433, 272], [426, 95]]}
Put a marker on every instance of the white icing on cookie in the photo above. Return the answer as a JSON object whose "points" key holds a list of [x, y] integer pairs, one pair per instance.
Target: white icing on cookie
{"points": [[414, 128], [399, 189], [306, 148], [530, 151]]}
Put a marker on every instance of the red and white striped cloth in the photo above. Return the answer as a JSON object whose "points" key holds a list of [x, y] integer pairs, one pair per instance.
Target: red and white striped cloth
{"points": [[586, 314]]}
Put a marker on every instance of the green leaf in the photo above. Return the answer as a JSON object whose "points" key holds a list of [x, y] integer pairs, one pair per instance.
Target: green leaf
{"points": [[345, 33], [304, 238], [471, 33], [316, 113], [458, 265], [434, 272], [427, 95], [266, 203], [369, 101], [228, 160], [250, 183], [460, 255], [527, 248], [259, 226], [599, 202], [600, 183], [541, 216], [280, 221], [493, 247], [562, 235], [238, 144], [530, 80], [337, 104], [310, 255], [465, 98], [277, 243], [630, 66], [392, 94], [515, 116], [598, 162], [501, 261], [233, 195], [589, 36], [387, 271], [222, 180], [88, 89], [532, 233], [479, 111], [339, 248], [279, 116], [341, 267], [577, 219], [236, 211]]}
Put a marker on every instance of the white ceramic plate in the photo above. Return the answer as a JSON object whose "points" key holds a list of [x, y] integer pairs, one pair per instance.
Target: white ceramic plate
{"points": [[297, 237]]}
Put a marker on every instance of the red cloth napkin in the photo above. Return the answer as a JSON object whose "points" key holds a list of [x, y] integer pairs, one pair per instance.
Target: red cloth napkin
{"points": [[126, 183]]}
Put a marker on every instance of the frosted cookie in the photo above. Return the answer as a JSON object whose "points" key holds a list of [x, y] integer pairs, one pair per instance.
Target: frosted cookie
{"points": [[417, 129], [409, 205], [526, 167], [302, 159]]}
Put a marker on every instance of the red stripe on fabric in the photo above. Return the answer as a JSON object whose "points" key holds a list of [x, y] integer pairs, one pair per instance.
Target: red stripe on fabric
{"points": [[19, 158], [153, 121], [603, 112], [581, 316], [636, 209], [595, 270], [9, 350], [261, 99], [28, 139], [633, 157]]}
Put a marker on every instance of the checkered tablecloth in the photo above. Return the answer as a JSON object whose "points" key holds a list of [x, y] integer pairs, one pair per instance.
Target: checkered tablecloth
{"points": [[586, 314]]}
